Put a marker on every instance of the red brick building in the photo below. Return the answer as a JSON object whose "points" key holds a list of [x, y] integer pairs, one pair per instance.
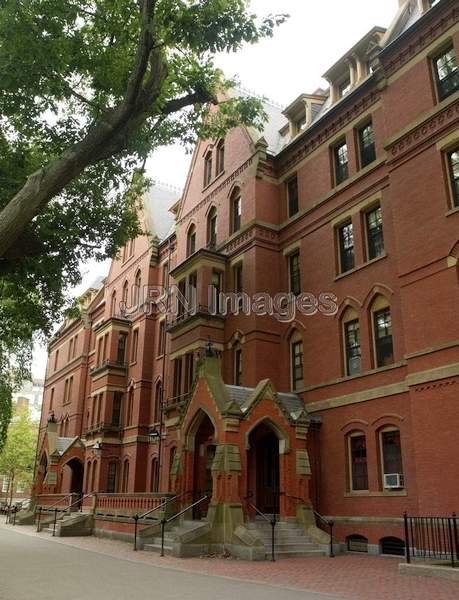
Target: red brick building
{"points": [[348, 205]]}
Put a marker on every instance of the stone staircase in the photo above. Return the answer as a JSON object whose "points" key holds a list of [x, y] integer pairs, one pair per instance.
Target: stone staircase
{"points": [[289, 541], [73, 524], [181, 531]]}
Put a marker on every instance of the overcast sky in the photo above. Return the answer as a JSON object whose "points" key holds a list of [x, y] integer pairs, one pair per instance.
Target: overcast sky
{"points": [[315, 36]]}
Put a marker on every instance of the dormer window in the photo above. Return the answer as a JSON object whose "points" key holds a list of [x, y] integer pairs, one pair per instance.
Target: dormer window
{"points": [[300, 124], [344, 87]]}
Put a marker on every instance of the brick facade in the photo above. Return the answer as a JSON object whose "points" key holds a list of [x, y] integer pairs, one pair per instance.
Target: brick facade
{"points": [[409, 386]]}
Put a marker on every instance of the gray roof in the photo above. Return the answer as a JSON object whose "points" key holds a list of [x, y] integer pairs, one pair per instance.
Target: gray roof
{"points": [[276, 121], [63, 443], [157, 202], [291, 402], [411, 15]]}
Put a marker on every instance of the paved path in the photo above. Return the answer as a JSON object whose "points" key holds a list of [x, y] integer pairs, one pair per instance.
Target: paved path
{"points": [[40, 569], [115, 570]]}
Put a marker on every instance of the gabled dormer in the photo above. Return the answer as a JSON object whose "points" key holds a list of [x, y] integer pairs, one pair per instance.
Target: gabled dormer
{"points": [[302, 111], [354, 67]]}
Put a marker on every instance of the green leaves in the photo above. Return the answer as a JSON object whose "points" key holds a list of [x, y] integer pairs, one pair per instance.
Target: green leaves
{"points": [[65, 72]]}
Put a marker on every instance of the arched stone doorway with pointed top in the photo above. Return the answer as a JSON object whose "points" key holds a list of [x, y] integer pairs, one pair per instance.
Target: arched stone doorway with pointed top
{"points": [[263, 468], [203, 455], [72, 480]]}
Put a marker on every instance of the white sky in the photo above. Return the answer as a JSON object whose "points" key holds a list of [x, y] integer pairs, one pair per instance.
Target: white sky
{"points": [[315, 36]]}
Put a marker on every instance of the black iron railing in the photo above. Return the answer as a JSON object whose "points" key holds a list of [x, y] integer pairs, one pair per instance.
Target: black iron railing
{"points": [[271, 520], [431, 538], [165, 521], [136, 518]]}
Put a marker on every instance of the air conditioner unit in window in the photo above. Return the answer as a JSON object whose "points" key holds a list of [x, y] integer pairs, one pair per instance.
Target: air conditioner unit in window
{"points": [[394, 481]]}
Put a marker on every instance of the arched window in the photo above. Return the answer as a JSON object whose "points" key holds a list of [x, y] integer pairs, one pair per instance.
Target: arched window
{"points": [[88, 477], [154, 478], [172, 454], [392, 546], [93, 477], [220, 157], [112, 477], [125, 485], [212, 228], [351, 339], [296, 361], [358, 467], [237, 353], [113, 304], [391, 458], [236, 210], [137, 288], [191, 241], [157, 402], [382, 332], [125, 294], [130, 407], [208, 168]]}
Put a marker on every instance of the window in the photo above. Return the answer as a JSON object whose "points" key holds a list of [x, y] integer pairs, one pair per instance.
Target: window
{"points": [[51, 400], [294, 273], [113, 304], [66, 387], [292, 195], [375, 237], [177, 389], [125, 294], [137, 289], [70, 349], [392, 546], [358, 460], [367, 145], [353, 350], [189, 371], [125, 476], [130, 407], [161, 337], [191, 241], [357, 543], [56, 359], [237, 278], [212, 228], [300, 123], [121, 351], [446, 73], [131, 247], [453, 166], [383, 337], [69, 394], [111, 478], [166, 275], [341, 160], [116, 410], [344, 87], [220, 157], [191, 291], [346, 247], [391, 451], [238, 366], [75, 345], [236, 209], [158, 398], [208, 169], [135, 344], [181, 297], [217, 288], [154, 475], [297, 365]]}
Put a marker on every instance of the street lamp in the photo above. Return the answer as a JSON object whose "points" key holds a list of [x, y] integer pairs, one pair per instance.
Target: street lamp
{"points": [[153, 434], [97, 448]]}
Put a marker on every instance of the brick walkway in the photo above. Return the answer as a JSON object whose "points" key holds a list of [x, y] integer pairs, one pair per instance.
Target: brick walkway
{"points": [[352, 576]]}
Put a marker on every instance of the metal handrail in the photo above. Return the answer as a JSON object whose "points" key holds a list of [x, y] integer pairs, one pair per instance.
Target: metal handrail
{"points": [[138, 517], [272, 521], [164, 522], [60, 500]]}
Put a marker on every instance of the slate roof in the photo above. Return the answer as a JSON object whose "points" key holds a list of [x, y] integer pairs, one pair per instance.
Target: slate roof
{"points": [[291, 402], [64, 443], [157, 202]]}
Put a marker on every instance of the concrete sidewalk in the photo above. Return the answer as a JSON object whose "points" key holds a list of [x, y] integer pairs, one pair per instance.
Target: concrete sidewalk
{"points": [[32, 567]]}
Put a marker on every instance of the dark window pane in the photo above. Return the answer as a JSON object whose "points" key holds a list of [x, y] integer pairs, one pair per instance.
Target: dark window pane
{"points": [[116, 412], [453, 160], [295, 274], [383, 337], [236, 214], [344, 87], [353, 351], [111, 478], [341, 162], [297, 365], [121, 352], [346, 247], [292, 191], [367, 145], [392, 453], [359, 469], [375, 237], [447, 73], [238, 367]]}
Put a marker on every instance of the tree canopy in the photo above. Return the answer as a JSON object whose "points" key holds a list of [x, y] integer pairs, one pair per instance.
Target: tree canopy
{"points": [[89, 88], [18, 454]]}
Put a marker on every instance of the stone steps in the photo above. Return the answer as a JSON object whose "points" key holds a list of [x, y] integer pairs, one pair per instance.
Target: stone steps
{"points": [[289, 539]]}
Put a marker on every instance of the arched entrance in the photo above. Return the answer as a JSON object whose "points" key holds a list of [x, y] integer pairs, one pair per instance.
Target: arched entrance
{"points": [[204, 453], [264, 469], [74, 476], [42, 471]]}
